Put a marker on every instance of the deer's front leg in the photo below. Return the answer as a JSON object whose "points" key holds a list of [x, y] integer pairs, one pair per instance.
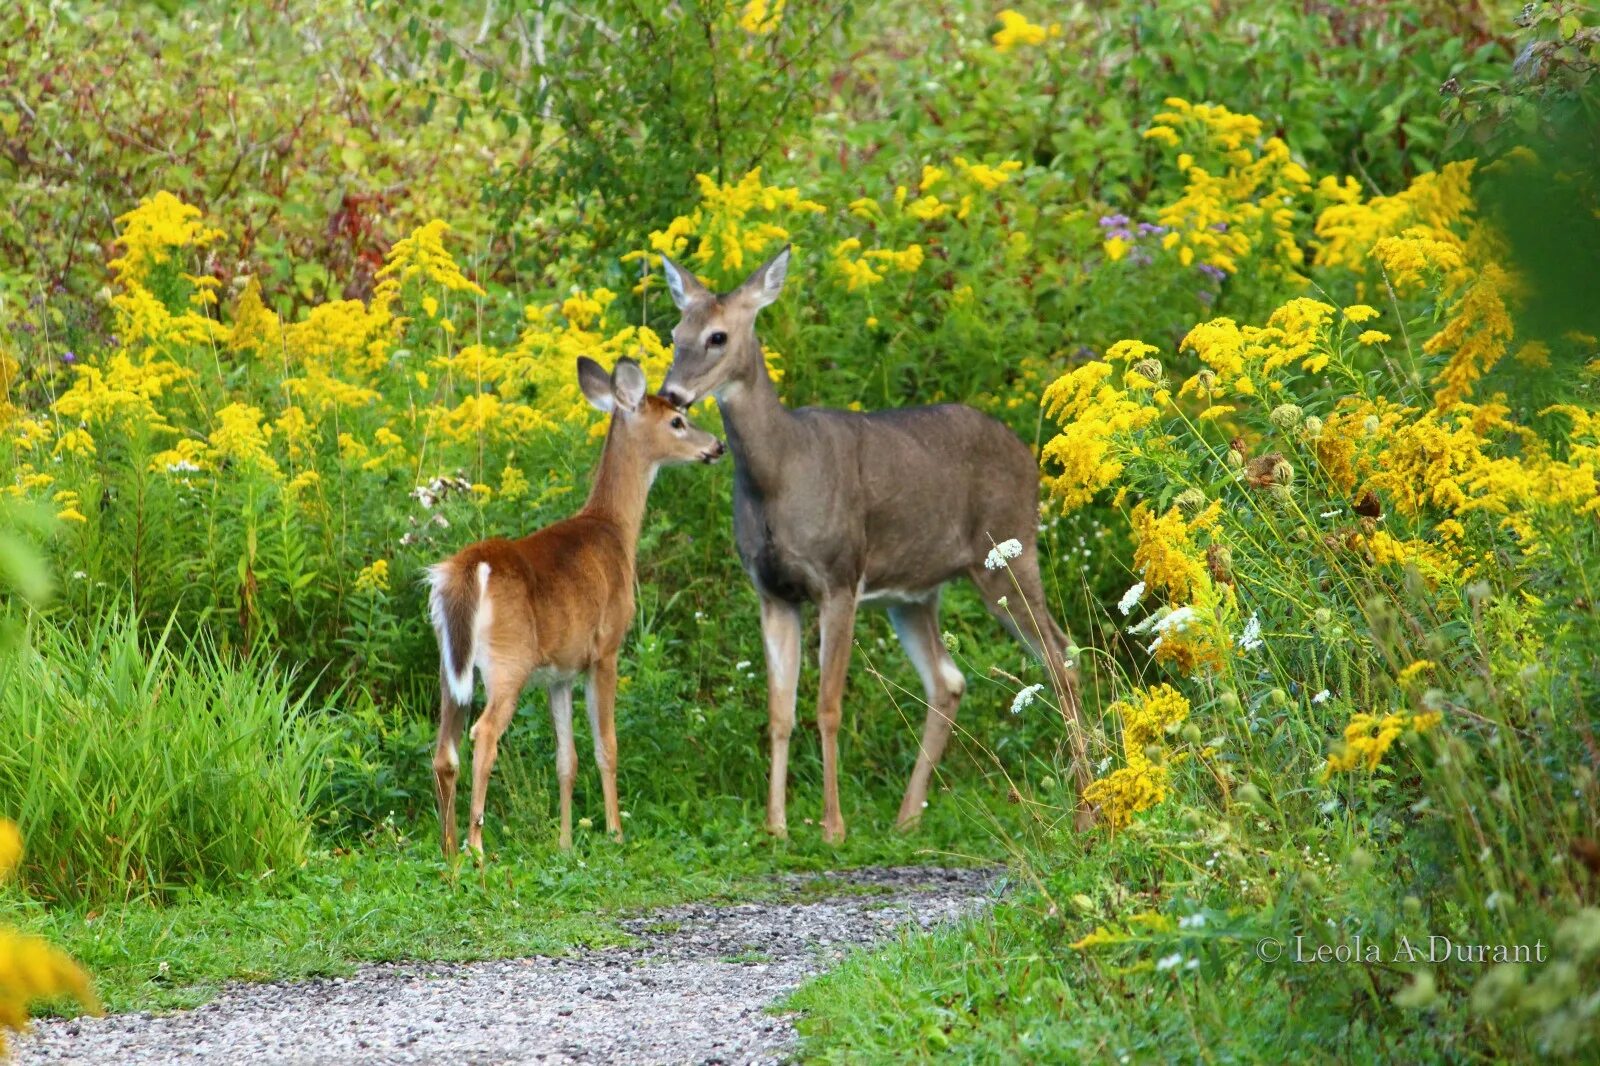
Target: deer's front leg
{"points": [[602, 705], [837, 620], [780, 636], [566, 754]]}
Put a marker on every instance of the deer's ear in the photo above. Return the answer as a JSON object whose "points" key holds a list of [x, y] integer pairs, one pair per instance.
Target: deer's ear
{"points": [[596, 385], [684, 286], [628, 384], [764, 286]]}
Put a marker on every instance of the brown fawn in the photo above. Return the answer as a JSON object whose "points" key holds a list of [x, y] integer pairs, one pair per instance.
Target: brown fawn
{"points": [[554, 605]]}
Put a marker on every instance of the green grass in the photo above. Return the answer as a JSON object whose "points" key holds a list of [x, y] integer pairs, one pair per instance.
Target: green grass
{"points": [[1008, 987], [396, 898], [136, 764]]}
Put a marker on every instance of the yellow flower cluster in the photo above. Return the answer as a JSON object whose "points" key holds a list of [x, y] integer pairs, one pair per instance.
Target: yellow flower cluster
{"points": [[1098, 420], [1368, 738], [153, 233], [1142, 783], [374, 577], [1350, 227], [1241, 358], [1238, 198], [30, 968], [423, 255], [761, 17], [724, 225], [1015, 30], [859, 271]]}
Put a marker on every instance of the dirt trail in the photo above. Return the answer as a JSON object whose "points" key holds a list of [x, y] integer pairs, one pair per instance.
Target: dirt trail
{"points": [[695, 987]]}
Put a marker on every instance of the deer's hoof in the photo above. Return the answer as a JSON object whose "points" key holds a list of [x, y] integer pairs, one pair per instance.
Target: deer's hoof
{"points": [[779, 830], [833, 834]]}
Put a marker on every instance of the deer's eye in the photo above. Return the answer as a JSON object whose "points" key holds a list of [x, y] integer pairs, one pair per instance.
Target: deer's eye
{"points": [[717, 339], [678, 422]]}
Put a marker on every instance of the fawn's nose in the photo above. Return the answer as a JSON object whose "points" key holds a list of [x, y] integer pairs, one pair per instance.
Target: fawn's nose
{"points": [[677, 395], [715, 452]]}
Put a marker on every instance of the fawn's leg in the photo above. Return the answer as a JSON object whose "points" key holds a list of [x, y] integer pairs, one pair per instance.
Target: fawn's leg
{"points": [[504, 687], [447, 763], [780, 635], [601, 703], [917, 626], [1027, 615], [566, 754], [837, 618]]}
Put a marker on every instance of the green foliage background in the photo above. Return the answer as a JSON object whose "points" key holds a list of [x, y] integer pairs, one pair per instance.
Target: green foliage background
{"points": [[555, 140]]}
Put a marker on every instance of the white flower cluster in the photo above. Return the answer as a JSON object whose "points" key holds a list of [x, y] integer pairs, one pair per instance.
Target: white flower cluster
{"points": [[1025, 698], [1000, 553]]}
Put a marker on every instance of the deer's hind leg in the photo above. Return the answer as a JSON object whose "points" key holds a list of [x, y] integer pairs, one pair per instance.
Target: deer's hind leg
{"points": [[917, 626], [1014, 594], [504, 681], [447, 763]]}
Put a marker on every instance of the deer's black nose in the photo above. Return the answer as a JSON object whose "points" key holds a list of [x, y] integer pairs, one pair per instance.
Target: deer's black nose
{"points": [[677, 396]]}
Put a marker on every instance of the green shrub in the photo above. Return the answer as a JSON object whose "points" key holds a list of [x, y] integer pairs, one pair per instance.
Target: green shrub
{"points": [[138, 766]]}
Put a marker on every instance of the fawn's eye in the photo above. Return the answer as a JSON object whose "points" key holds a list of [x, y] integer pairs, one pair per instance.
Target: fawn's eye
{"points": [[678, 422], [717, 339]]}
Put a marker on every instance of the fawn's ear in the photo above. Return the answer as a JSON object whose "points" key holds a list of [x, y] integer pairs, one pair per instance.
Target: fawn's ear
{"points": [[764, 285], [684, 286], [628, 384], [596, 385]]}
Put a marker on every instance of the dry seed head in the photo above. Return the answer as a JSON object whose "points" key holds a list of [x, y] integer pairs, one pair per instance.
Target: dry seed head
{"points": [[1189, 501], [1219, 560], [1286, 416]]}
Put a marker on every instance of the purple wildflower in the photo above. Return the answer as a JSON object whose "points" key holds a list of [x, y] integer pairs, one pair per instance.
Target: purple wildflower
{"points": [[1215, 273], [1117, 221], [69, 357], [1150, 229]]}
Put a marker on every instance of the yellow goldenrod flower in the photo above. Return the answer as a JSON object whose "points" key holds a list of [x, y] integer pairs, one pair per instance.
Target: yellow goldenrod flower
{"points": [[1015, 30], [761, 17], [374, 577]]}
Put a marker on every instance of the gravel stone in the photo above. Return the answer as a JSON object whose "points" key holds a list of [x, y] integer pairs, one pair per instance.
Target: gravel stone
{"points": [[694, 987]]}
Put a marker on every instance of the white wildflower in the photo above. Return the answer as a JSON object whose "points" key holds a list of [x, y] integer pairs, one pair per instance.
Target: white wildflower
{"points": [[1131, 598], [182, 466], [1250, 639], [1197, 920], [1321, 697], [1006, 549], [1169, 962], [1178, 620], [1335, 513], [1025, 698], [742, 665]]}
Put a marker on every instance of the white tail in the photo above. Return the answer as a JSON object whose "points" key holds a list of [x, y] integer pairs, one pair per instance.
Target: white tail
{"points": [[458, 674]]}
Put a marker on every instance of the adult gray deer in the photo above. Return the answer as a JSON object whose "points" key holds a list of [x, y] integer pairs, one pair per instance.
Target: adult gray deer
{"points": [[842, 509]]}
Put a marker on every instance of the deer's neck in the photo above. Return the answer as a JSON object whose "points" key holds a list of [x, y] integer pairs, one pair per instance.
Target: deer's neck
{"points": [[621, 486], [757, 423]]}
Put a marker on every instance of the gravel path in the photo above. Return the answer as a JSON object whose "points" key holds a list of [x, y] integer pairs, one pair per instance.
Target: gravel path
{"points": [[695, 987]]}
